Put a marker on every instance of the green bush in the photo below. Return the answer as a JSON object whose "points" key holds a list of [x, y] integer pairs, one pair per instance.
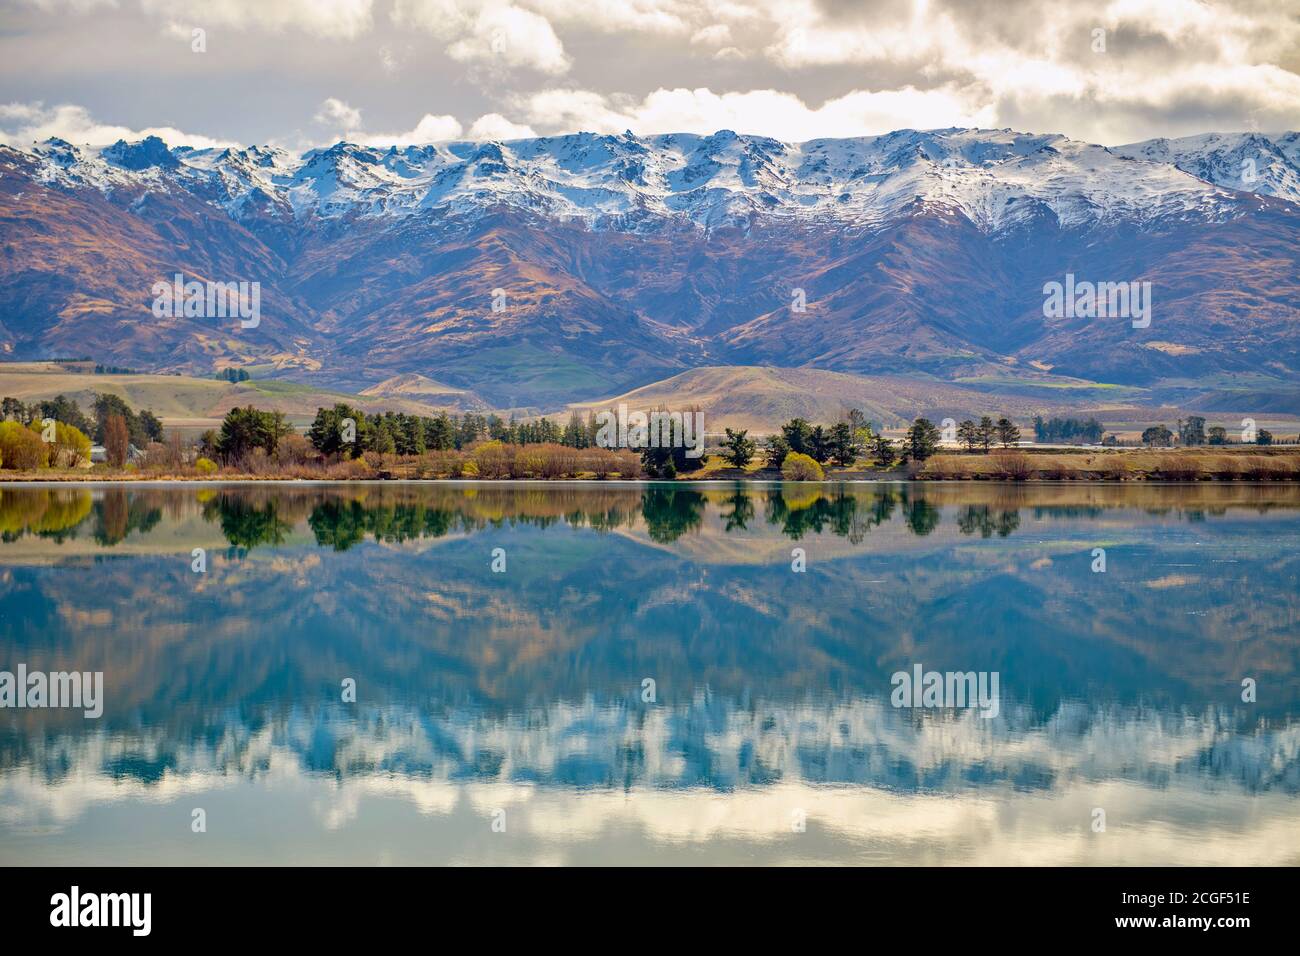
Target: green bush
{"points": [[206, 466]]}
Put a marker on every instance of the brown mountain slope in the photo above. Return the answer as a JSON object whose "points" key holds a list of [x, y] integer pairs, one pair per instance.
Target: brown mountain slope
{"points": [[435, 308], [77, 270]]}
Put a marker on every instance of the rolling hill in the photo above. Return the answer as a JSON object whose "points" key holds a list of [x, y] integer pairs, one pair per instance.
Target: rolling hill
{"points": [[414, 387], [187, 402], [761, 398]]}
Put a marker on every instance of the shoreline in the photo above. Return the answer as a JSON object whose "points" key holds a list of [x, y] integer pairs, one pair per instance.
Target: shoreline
{"points": [[1265, 464]]}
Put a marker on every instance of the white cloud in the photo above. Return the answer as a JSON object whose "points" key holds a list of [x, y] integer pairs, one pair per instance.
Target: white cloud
{"points": [[492, 32], [343, 19], [22, 124], [336, 114], [715, 34], [765, 112], [430, 129], [1122, 105], [619, 16], [515, 36], [24, 112], [805, 38], [70, 6], [564, 111], [495, 126]]}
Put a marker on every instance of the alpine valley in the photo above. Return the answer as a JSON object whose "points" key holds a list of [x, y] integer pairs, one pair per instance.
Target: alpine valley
{"points": [[542, 272]]}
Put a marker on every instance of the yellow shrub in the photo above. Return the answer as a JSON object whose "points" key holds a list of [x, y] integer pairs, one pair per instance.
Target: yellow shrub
{"points": [[494, 459], [21, 448], [527, 464], [71, 447], [800, 467]]}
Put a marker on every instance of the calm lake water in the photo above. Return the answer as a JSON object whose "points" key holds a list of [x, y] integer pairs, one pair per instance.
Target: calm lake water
{"points": [[508, 716]]}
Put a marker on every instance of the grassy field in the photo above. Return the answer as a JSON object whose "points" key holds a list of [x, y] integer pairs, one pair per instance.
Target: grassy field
{"points": [[537, 372], [189, 403]]}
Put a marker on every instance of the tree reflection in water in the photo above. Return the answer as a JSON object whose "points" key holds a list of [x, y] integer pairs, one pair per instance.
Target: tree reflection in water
{"points": [[340, 516]]}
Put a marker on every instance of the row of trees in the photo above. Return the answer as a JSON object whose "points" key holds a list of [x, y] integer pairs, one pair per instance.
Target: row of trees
{"points": [[842, 443], [849, 440], [60, 408], [346, 433], [1192, 432], [922, 440], [342, 431], [986, 433], [349, 432], [27, 442], [141, 427], [1067, 430]]}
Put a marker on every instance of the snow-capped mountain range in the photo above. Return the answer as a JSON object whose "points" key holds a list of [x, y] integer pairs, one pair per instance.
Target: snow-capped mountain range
{"points": [[997, 178], [627, 259]]}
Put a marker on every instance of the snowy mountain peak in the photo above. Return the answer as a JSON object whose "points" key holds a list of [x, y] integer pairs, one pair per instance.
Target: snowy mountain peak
{"points": [[996, 178], [1249, 162], [148, 152]]}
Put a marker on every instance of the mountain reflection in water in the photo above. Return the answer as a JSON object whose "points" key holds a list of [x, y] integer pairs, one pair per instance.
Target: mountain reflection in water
{"points": [[524, 691]]}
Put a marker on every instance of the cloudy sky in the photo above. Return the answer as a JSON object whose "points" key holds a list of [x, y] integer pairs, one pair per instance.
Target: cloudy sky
{"points": [[299, 73]]}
